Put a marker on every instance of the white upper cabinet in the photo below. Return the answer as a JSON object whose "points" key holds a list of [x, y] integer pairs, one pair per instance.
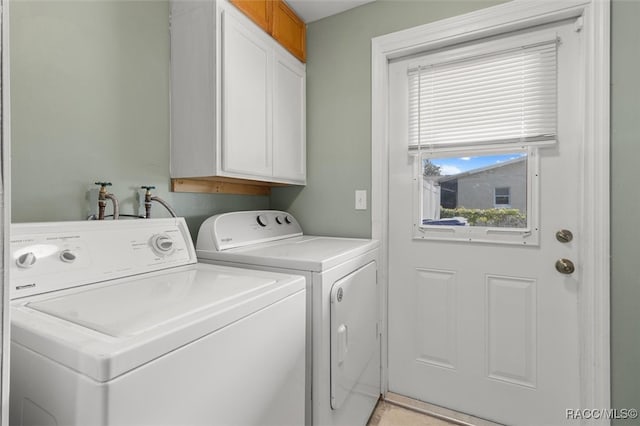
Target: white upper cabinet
{"points": [[237, 99]]}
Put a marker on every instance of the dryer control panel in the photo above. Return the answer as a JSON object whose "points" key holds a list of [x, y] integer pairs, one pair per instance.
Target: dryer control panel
{"points": [[238, 229], [52, 256]]}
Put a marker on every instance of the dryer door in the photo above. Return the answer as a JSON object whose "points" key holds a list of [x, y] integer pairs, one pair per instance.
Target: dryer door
{"points": [[354, 335]]}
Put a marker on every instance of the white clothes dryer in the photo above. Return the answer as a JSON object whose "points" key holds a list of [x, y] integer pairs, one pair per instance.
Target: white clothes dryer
{"points": [[343, 303], [114, 323]]}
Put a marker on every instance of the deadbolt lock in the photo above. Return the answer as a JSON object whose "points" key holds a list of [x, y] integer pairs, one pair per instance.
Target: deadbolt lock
{"points": [[564, 235], [565, 266]]}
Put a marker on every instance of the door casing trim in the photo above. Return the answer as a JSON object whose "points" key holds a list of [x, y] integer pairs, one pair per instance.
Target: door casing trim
{"points": [[593, 300]]}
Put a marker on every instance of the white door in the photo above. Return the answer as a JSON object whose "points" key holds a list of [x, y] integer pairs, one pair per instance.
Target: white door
{"points": [[246, 78], [489, 328]]}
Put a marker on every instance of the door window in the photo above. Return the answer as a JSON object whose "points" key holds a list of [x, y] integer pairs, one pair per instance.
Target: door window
{"points": [[478, 196], [476, 116]]}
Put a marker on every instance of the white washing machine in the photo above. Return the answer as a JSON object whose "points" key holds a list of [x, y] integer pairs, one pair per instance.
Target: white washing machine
{"points": [[114, 323], [343, 303]]}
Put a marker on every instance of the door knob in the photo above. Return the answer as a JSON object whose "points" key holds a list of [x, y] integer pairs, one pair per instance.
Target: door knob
{"points": [[564, 235], [565, 266]]}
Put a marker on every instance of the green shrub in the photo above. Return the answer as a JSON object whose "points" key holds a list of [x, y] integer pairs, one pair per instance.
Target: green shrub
{"points": [[500, 218]]}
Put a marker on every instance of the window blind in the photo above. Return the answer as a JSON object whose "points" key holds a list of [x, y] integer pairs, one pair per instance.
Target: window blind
{"points": [[504, 97]]}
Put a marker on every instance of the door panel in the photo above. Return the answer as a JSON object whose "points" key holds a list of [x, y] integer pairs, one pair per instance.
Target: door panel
{"points": [[289, 134], [354, 335], [246, 132], [489, 329], [436, 323], [511, 329]]}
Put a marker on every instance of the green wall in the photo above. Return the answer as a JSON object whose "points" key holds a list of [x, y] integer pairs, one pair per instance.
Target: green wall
{"points": [[625, 203], [90, 102]]}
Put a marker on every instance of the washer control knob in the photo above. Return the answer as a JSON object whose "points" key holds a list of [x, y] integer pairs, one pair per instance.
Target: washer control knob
{"points": [[262, 220], [162, 244], [288, 220], [67, 256], [26, 260], [280, 220]]}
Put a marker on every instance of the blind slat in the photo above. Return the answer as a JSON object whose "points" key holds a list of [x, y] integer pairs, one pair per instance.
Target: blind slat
{"points": [[506, 96]]}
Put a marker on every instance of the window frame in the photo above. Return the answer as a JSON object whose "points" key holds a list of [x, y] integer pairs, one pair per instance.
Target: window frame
{"points": [[495, 197]]}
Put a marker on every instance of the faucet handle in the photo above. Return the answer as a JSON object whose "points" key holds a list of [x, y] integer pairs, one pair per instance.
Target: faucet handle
{"points": [[148, 187], [103, 184]]}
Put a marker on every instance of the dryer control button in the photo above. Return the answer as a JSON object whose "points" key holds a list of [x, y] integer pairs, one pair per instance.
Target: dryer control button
{"points": [[262, 220], [67, 256], [26, 260]]}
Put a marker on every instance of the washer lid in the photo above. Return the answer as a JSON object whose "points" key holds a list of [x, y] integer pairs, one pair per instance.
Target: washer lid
{"points": [[134, 307], [305, 253], [105, 330]]}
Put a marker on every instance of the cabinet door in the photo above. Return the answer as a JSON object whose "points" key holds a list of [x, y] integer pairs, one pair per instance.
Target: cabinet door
{"points": [[260, 11], [289, 116], [246, 98], [289, 30]]}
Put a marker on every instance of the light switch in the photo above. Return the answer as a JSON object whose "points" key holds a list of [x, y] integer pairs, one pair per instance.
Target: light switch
{"points": [[361, 199]]}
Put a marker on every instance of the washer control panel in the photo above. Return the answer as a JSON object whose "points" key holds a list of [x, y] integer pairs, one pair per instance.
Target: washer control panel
{"points": [[237, 229], [56, 255]]}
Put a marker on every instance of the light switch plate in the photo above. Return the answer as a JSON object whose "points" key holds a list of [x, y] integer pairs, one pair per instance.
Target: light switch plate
{"points": [[361, 199]]}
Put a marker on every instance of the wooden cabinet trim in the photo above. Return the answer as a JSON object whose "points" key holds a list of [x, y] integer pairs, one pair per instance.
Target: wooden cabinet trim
{"points": [[222, 185], [280, 21], [260, 12], [289, 30]]}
